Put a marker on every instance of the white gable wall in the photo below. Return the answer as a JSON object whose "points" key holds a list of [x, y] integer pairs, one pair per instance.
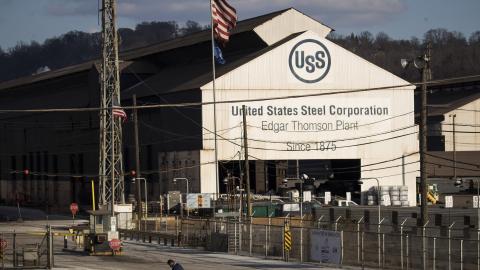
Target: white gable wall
{"points": [[467, 122], [269, 76], [289, 22]]}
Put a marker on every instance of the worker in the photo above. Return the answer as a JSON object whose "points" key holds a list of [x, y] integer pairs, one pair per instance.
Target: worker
{"points": [[174, 265]]}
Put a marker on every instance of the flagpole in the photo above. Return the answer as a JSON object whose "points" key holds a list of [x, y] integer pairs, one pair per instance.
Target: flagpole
{"points": [[214, 102]]}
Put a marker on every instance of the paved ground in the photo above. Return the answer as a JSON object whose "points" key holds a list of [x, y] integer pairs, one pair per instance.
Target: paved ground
{"points": [[137, 255], [144, 256]]}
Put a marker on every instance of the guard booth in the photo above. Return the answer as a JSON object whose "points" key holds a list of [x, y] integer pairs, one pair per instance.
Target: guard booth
{"points": [[100, 233]]}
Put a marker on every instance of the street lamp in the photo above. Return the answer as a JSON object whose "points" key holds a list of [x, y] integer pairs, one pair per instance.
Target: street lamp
{"points": [[146, 200], [378, 195], [186, 180], [453, 116], [422, 63]]}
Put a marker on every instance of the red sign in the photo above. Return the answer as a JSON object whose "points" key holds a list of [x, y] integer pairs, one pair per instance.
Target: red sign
{"points": [[115, 244], [3, 244], [74, 208]]}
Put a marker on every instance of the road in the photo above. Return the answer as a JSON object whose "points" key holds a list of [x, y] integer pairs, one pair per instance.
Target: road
{"points": [[145, 256]]}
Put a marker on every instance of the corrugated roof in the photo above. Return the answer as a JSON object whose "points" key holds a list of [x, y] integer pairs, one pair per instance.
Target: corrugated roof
{"points": [[179, 78], [202, 36], [444, 97], [199, 37]]}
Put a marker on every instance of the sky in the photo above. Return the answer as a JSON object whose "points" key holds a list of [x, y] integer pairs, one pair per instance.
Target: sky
{"points": [[37, 20]]}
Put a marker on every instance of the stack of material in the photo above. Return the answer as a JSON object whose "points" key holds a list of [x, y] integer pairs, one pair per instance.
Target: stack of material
{"points": [[389, 196], [395, 195], [385, 196], [404, 196]]}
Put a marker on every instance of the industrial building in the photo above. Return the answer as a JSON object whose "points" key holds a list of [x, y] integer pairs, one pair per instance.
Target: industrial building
{"points": [[453, 126], [313, 108]]}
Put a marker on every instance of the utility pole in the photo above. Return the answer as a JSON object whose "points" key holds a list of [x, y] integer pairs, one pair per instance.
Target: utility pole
{"points": [[426, 73], [138, 173], [454, 148], [110, 156], [247, 170], [298, 170]]}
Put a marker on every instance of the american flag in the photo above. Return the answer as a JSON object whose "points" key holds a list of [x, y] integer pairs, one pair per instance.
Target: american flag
{"points": [[224, 19], [118, 111]]}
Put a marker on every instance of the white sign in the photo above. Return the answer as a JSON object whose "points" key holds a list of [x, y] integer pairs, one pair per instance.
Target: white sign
{"points": [[307, 196], [448, 201], [349, 196], [475, 202], [326, 246], [328, 197], [312, 124], [113, 224], [198, 200], [291, 207]]}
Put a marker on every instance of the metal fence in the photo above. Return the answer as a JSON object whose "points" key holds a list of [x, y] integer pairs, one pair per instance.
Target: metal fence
{"points": [[33, 250], [363, 244]]}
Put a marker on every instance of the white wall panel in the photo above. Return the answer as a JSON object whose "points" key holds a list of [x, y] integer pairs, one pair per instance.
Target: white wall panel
{"points": [[269, 76], [467, 122]]}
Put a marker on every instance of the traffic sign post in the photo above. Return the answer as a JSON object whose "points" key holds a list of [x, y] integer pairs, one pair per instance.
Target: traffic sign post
{"points": [[287, 240], [74, 210], [115, 245]]}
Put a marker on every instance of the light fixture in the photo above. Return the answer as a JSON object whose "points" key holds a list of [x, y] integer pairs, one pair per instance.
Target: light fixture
{"points": [[419, 63], [458, 182]]}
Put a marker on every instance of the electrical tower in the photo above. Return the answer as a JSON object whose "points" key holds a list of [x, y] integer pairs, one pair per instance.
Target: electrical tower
{"points": [[110, 160]]}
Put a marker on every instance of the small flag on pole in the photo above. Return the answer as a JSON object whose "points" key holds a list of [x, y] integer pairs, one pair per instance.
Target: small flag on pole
{"points": [[224, 19], [219, 55], [117, 110]]}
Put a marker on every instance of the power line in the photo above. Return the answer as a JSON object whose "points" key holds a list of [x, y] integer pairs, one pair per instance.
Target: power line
{"points": [[456, 161], [190, 104], [448, 166], [336, 140]]}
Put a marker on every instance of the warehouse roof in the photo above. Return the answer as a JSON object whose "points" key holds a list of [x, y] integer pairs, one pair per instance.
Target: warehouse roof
{"points": [[197, 75], [133, 54], [446, 96]]}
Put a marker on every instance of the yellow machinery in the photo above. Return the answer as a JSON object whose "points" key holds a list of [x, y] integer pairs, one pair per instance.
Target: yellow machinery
{"points": [[433, 195]]}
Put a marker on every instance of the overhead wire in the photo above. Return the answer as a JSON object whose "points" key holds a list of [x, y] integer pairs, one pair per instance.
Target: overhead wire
{"points": [[234, 101], [189, 104]]}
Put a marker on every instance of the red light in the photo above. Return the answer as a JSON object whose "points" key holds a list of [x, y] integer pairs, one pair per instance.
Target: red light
{"points": [[26, 172], [133, 173]]}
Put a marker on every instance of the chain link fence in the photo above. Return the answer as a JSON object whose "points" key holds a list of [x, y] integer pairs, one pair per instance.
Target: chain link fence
{"points": [[362, 244]]}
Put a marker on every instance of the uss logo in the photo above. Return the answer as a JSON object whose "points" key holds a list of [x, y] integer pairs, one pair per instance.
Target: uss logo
{"points": [[309, 61]]}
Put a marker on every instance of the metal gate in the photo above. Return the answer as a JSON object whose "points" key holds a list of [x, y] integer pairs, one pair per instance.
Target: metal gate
{"points": [[26, 250]]}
